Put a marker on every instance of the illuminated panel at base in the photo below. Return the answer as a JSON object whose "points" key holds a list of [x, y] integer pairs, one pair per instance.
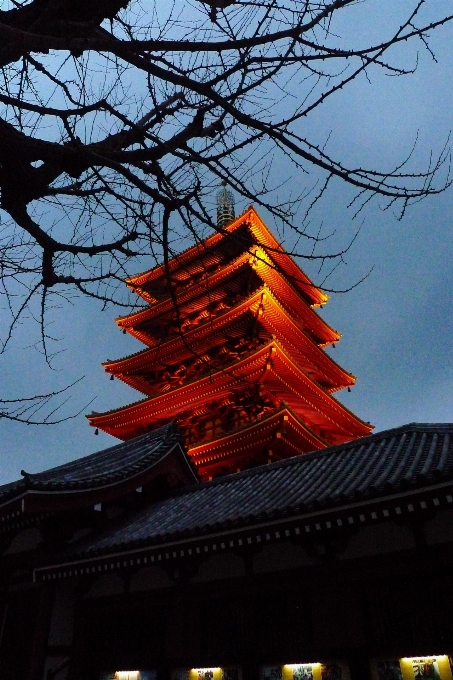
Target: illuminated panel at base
{"points": [[328, 670], [214, 673], [129, 675], [434, 667]]}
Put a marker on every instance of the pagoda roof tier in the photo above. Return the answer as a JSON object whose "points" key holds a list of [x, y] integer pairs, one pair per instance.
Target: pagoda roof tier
{"points": [[208, 296], [274, 437], [219, 341], [269, 365], [245, 232]]}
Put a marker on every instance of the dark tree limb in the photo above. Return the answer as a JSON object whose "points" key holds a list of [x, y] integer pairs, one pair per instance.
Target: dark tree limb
{"points": [[117, 123]]}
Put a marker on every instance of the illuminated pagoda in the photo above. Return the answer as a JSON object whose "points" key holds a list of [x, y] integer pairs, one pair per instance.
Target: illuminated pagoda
{"points": [[234, 353]]}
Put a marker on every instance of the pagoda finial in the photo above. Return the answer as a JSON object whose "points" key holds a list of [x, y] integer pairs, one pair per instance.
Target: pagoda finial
{"points": [[225, 206]]}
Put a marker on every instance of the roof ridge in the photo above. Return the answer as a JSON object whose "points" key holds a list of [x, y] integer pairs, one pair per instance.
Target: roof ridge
{"points": [[222, 315], [281, 491], [215, 232], [234, 265], [299, 459], [152, 434]]}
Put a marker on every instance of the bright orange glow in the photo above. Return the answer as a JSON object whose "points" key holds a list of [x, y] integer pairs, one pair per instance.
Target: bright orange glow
{"points": [[248, 313], [127, 675]]}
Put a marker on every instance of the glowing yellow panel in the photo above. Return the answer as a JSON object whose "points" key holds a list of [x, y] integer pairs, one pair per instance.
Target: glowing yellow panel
{"points": [[436, 667], [433, 667], [301, 671], [205, 674]]}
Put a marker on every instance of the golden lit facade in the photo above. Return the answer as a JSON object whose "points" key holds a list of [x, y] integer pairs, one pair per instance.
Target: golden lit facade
{"points": [[434, 667]]}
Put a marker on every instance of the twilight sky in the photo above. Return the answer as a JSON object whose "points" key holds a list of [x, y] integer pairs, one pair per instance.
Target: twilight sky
{"points": [[397, 325]]}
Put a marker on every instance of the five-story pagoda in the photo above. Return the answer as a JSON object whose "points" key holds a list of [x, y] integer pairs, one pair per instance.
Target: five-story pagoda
{"points": [[234, 353]]}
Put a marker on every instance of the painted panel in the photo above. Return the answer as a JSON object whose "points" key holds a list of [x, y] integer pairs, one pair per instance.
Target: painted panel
{"points": [[129, 675], [328, 670], [412, 668], [216, 673]]}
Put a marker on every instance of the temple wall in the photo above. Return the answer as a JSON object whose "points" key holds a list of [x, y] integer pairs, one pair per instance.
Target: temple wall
{"points": [[281, 556], [61, 631], [439, 529], [107, 584], [149, 578], [62, 621], [220, 567], [382, 593], [381, 597], [27, 539], [52, 665], [339, 621], [379, 539]]}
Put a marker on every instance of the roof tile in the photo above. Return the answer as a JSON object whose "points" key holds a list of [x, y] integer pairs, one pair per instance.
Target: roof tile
{"points": [[371, 467], [103, 467]]}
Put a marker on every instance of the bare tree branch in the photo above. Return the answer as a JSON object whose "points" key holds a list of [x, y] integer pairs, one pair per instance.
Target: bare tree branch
{"points": [[119, 118]]}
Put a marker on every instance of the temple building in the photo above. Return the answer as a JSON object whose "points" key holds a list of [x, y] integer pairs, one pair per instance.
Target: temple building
{"points": [[234, 353], [204, 546]]}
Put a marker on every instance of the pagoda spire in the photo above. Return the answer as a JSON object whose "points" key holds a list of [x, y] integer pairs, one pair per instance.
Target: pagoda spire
{"points": [[225, 206], [240, 365]]}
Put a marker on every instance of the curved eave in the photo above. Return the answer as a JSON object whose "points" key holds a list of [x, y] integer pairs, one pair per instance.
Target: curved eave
{"points": [[167, 349], [303, 351], [265, 237], [281, 429], [288, 297], [270, 365], [357, 484], [188, 293], [137, 282], [262, 236], [301, 394], [36, 497]]}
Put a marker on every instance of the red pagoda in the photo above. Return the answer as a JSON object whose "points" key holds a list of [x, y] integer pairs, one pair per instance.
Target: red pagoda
{"points": [[234, 353]]}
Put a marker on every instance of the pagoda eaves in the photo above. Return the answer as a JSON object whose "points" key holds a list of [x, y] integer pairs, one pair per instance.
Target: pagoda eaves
{"points": [[208, 295], [240, 365], [270, 366], [259, 235], [259, 308]]}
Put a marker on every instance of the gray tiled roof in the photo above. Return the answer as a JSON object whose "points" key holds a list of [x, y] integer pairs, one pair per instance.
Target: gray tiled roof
{"points": [[410, 457], [103, 467]]}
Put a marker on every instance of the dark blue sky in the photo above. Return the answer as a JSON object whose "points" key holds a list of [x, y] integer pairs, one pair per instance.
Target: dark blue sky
{"points": [[397, 325]]}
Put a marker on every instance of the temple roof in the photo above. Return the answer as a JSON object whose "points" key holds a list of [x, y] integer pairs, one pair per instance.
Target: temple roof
{"points": [[216, 248], [210, 292], [270, 365], [380, 476], [281, 429], [107, 468], [231, 323]]}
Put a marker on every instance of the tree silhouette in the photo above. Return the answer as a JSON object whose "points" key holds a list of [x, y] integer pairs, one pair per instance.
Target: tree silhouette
{"points": [[120, 117]]}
